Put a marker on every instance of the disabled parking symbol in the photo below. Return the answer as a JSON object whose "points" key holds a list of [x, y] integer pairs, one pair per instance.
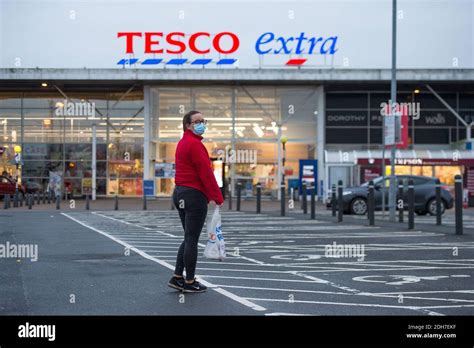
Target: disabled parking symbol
{"points": [[401, 279], [297, 257]]}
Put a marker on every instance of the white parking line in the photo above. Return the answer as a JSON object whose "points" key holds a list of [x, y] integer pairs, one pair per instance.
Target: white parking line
{"points": [[224, 292], [255, 234]]}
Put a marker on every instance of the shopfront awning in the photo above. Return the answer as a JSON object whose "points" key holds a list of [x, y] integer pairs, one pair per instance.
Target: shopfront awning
{"points": [[402, 157]]}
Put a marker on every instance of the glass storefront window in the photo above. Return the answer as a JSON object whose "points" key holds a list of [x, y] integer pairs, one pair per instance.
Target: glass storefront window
{"points": [[51, 152], [10, 100], [83, 169], [258, 113], [10, 126], [125, 187], [446, 174], [84, 152], [119, 151], [126, 125], [40, 169], [125, 169], [54, 141], [174, 103], [215, 106], [43, 126]]}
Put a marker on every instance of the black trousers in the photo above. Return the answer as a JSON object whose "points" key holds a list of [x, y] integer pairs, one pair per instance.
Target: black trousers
{"points": [[192, 208]]}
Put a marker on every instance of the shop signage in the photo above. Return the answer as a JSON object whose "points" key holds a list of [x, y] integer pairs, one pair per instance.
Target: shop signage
{"points": [[308, 173], [165, 170], [86, 187], [149, 187], [346, 119], [269, 43], [176, 42], [371, 173], [409, 161], [389, 130], [223, 43], [418, 161]]}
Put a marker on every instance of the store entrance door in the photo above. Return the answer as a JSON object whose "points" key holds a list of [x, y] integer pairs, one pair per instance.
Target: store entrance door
{"points": [[337, 173]]}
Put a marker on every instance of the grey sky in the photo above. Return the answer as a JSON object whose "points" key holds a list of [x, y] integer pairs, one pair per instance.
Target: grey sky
{"points": [[77, 34]]}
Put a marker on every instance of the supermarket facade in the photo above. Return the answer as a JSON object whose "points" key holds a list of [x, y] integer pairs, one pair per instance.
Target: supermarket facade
{"points": [[322, 91]]}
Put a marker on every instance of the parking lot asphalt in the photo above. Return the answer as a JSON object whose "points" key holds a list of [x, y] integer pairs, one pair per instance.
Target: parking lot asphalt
{"points": [[118, 262]]}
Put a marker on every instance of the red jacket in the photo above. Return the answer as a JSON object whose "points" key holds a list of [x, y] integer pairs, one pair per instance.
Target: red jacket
{"points": [[193, 167]]}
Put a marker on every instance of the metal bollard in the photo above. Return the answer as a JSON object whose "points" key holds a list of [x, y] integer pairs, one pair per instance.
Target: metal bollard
{"points": [[304, 197], [87, 202], [30, 201], [333, 200], [259, 198], [283, 199], [38, 198], [15, 199], [458, 203], [340, 206], [438, 202], [5, 202], [313, 202], [411, 205], [144, 202], [371, 204], [44, 197], [58, 202], [239, 192], [116, 203], [400, 194]]}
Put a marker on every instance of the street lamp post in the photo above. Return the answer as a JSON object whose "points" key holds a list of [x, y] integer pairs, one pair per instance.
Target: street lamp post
{"points": [[94, 159], [393, 97]]}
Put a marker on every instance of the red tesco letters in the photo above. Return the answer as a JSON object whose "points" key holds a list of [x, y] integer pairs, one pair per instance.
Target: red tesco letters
{"points": [[199, 43]]}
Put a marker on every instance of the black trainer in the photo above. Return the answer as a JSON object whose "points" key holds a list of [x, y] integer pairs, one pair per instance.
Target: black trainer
{"points": [[194, 287], [176, 283]]}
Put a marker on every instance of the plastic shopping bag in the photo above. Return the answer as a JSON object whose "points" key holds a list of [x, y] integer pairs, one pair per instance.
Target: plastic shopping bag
{"points": [[215, 247]]}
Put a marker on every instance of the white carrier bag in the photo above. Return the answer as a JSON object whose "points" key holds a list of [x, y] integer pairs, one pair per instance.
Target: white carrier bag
{"points": [[215, 247]]}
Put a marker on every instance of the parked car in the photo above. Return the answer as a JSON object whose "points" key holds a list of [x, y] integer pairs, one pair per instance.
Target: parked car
{"points": [[33, 187], [8, 186], [355, 198]]}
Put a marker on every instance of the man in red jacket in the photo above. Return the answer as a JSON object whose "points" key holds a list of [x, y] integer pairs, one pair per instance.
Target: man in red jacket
{"points": [[196, 186]]}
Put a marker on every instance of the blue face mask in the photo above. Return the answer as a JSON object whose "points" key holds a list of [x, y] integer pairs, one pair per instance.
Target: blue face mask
{"points": [[199, 129]]}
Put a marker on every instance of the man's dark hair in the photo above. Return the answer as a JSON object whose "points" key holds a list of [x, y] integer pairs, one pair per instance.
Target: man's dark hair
{"points": [[187, 118]]}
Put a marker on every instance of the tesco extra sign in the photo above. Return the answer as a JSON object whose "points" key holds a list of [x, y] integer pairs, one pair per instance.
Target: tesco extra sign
{"points": [[223, 43]]}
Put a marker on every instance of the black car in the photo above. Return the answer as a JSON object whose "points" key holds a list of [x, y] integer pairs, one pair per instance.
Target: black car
{"points": [[355, 198]]}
